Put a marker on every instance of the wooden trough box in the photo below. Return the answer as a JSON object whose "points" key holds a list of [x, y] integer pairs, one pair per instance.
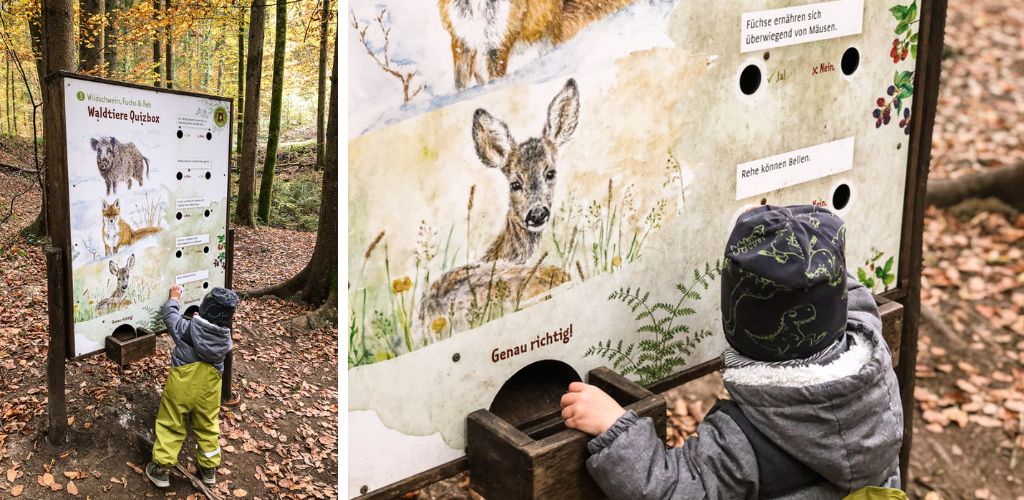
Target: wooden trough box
{"points": [[129, 344], [544, 459]]}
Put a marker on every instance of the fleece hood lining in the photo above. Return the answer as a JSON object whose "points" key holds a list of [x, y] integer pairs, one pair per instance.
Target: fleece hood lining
{"points": [[765, 374]]}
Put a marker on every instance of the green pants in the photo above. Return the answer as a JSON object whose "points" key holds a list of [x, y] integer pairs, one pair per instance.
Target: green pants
{"points": [[192, 390]]}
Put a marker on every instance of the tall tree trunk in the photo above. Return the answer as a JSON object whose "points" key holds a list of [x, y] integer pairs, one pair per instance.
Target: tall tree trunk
{"points": [[274, 130], [37, 31], [91, 31], [241, 77], [317, 283], [321, 94], [253, 72], [9, 101], [110, 37], [157, 53], [168, 46]]}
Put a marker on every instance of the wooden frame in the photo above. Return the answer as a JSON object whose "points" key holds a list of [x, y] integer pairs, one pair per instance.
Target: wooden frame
{"points": [[899, 307], [58, 203], [547, 460]]}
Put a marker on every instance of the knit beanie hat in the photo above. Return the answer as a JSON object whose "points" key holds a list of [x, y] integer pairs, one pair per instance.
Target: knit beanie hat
{"points": [[784, 282], [219, 306]]}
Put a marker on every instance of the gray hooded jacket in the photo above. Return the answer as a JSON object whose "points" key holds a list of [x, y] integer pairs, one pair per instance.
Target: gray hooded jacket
{"points": [[840, 416], [196, 339]]}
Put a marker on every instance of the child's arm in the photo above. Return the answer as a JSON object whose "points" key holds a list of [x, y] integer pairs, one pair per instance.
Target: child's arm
{"points": [[628, 460], [177, 325]]}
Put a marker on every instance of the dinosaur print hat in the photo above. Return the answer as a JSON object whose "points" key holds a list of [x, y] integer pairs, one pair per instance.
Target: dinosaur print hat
{"points": [[784, 282]]}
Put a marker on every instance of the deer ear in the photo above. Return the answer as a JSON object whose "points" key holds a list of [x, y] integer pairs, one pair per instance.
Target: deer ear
{"points": [[94, 143], [563, 114], [131, 262], [492, 139], [113, 267]]}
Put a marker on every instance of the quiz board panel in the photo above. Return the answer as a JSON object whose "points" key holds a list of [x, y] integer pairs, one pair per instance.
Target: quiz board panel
{"points": [[147, 182], [528, 184]]}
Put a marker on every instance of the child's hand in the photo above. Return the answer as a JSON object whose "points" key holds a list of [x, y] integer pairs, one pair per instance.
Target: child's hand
{"points": [[175, 293], [589, 409]]}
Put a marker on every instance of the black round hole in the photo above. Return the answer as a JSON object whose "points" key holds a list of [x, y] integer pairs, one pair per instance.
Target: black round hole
{"points": [[178, 216], [179, 176], [209, 136], [206, 249], [177, 254], [456, 357], [206, 284], [209, 175], [191, 311], [207, 213], [180, 134], [750, 79], [851, 59], [841, 197]]}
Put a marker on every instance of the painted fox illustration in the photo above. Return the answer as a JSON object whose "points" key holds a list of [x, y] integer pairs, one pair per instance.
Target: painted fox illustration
{"points": [[116, 232], [484, 32], [118, 162]]}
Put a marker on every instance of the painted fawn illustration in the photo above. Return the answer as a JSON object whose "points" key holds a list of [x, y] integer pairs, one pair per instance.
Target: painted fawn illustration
{"points": [[116, 232], [119, 162], [117, 299], [484, 32], [503, 274]]}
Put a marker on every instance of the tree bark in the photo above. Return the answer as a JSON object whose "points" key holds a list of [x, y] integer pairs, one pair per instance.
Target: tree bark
{"points": [[157, 53], [37, 31], [1005, 183], [110, 37], [90, 34], [168, 45], [321, 94], [274, 130], [317, 283], [247, 157], [241, 78]]}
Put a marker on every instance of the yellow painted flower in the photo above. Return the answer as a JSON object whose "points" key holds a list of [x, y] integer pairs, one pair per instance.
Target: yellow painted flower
{"points": [[438, 324], [401, 285], [616, 261]]}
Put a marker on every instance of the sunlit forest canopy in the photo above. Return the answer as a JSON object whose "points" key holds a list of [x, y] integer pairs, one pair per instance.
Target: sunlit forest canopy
{"points": [[127, 40]]}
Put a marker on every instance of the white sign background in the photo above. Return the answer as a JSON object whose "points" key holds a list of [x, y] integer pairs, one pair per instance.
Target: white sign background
{"points": [[126, 257]]}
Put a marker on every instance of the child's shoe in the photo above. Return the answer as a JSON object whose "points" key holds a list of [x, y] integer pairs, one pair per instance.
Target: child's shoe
{"points": [[209, 476], [161, 476]]}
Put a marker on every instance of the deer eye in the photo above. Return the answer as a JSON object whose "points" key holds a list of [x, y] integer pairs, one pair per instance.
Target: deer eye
{"points": [[549, 175], [517, 186]]}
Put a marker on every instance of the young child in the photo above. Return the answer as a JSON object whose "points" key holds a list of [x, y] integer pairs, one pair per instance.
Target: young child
{"points": [[815, 410], [194, 384]]}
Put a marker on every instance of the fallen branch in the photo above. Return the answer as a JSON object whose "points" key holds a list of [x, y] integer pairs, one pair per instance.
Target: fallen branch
{"points": [[1005, 183], [19, 169], [192, 478], [932, 317]]}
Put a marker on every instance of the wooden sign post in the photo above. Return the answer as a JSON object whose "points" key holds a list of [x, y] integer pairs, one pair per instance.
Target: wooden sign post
{"points": [[569, 204], [138, 185]]}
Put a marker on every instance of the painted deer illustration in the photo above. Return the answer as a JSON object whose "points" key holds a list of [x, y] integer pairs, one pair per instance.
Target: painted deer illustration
{"points": [[503, 274], [117, 299], [484, 32]]}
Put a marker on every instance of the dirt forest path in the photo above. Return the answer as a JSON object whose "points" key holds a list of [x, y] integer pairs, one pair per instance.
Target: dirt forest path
{"points": [[280, 441]]}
